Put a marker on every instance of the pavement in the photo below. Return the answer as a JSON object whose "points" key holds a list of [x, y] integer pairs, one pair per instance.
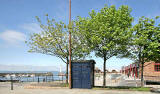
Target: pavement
{"points": [[67, 91], [19, 89]]}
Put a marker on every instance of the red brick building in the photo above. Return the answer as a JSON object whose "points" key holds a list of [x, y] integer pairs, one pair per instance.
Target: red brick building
{"points": [[151, 71], [131, 70]]}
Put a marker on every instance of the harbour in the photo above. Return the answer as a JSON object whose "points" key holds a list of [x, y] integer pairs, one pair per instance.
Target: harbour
{"points": [[24, 76]]}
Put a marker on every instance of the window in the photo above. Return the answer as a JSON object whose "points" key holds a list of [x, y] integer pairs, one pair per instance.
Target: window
{"points": [[157, 67]]}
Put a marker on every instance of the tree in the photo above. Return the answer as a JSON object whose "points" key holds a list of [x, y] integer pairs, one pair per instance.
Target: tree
{"points": [[146, 42], [105, 30], [53, 40]]}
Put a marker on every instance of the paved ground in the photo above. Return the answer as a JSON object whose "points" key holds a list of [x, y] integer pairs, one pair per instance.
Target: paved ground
{"points": [[19, 89], [66, 91]]}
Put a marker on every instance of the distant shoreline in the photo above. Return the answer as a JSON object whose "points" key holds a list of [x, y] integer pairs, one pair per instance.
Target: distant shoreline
{"points": [[29, 71]]}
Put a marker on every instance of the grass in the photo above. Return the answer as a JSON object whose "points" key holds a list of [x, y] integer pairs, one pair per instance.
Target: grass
{"points": [[141, 89], [64, 85], [123, 88], [50, 84]]}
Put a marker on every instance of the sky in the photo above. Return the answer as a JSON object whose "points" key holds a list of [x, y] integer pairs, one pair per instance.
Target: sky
{"points": [[17, 22]]}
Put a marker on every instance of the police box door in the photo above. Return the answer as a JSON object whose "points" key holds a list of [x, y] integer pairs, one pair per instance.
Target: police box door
{"points": [[81, 75]]}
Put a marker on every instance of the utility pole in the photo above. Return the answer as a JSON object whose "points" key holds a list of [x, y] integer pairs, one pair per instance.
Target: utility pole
{"points": [[70, 52]]}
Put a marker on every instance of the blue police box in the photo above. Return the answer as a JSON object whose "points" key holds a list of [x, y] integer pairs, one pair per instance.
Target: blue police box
{"points": [[82, 73]]}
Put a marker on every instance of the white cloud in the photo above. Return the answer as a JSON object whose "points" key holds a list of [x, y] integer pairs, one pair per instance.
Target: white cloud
{"points": [[31, 27], [12, 36]]}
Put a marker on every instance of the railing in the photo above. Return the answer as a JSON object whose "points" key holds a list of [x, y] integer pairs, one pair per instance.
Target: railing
{"points": [[35, 78], [152, 79]]}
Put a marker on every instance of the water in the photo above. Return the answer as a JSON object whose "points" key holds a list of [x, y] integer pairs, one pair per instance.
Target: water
{"points": [[54, 72], [55, 76]]}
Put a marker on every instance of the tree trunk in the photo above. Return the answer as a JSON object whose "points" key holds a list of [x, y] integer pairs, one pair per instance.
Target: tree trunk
{"points": [[104, 72], [67, 71], [142, 68], [142, 80]]}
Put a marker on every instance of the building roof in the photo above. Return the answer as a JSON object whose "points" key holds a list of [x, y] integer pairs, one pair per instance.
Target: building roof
{"points": [[83, 61]]}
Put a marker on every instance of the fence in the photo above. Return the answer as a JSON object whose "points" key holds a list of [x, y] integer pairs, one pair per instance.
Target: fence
{"points": [[152, 80], [119, 79], [34, 78], [112, 79], [32, 81]]}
